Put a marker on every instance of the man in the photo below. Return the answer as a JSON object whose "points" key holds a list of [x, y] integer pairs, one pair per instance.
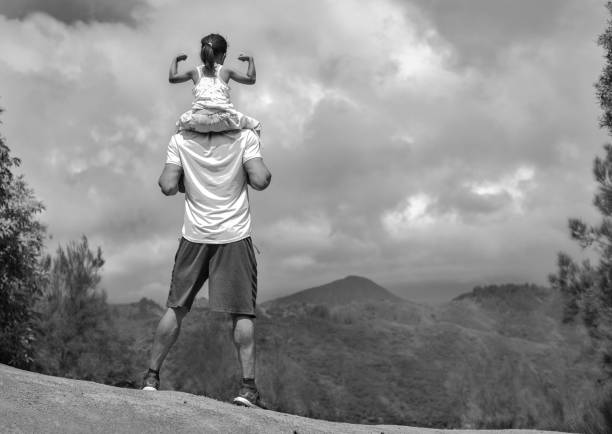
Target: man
{"points": [[213, 171]]}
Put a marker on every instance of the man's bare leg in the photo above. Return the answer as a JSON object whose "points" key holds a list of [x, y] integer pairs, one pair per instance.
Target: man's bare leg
{"points": [[165, 336], [244, 340]]}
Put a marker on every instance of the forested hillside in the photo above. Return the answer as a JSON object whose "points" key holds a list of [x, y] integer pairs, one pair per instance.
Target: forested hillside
{"points": [[499, 357]]}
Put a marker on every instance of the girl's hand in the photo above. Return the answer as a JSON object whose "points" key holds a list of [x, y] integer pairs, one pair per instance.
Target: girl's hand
{"points": [[181, 57], [245, 58]]}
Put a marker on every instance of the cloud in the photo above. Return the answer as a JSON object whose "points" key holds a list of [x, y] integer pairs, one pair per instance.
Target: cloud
{"points": [[513, 186], [402, 147], [481, 31], [413, 214], [71, 11]]}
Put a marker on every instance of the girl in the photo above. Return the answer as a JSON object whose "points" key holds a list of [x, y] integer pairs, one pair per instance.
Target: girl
{"points": [[212, 109]]}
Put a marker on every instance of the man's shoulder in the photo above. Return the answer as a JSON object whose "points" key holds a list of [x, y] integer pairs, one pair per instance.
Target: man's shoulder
{"points": [[245, 135], [242, 137], [221, 137]]}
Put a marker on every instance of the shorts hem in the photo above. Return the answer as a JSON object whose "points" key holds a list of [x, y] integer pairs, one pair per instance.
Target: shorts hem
{"points": [[232, 312], [174, 306], [233, 240]]}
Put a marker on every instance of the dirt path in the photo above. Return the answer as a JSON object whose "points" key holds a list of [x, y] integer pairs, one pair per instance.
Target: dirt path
{"points": [[35, 403]]}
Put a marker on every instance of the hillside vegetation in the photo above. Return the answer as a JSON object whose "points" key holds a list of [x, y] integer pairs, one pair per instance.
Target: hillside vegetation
{"points": [[498, 357]]}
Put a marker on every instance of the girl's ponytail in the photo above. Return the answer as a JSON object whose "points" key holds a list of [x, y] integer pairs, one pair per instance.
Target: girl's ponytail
{"points": [[208, 56], [212, 46]]}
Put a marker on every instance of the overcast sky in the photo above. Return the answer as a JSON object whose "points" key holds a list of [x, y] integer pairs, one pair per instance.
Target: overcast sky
{"points": [[425, 144]]}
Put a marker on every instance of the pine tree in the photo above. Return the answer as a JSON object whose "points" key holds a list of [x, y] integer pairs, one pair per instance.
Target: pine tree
{"points": [[21, 243], [78, 336], [587, 287]]}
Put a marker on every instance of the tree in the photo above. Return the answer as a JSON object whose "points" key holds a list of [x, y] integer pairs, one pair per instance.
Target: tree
{"points": [[587, 286], [21, 243], [78, 336]]}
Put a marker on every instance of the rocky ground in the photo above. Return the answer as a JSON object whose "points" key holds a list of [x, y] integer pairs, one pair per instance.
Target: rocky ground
{"points": [[35, 403]]}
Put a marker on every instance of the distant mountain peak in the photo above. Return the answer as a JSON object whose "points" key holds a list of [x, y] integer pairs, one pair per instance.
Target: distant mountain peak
{"points": [[354, 278], [349, 289]]}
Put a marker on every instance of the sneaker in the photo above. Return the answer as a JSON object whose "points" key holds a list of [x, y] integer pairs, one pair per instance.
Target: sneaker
{"points": [[150, 381], [249, 397]]}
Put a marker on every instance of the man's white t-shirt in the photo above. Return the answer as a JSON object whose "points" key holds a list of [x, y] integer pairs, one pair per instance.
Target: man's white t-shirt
{"points": [[216, 194]]}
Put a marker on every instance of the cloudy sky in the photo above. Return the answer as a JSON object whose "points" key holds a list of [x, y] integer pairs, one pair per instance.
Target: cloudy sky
{"points": [[429, 145]]}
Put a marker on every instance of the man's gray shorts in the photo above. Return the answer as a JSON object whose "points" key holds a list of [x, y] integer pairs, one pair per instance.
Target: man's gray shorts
{"points": [[231, 270]]}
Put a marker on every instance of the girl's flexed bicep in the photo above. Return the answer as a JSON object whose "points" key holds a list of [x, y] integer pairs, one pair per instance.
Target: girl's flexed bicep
{"points": [[250, 77], [175, 77]]}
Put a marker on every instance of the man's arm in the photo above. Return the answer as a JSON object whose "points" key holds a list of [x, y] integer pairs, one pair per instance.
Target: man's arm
{"points": [[170, 180], [258, 175]]}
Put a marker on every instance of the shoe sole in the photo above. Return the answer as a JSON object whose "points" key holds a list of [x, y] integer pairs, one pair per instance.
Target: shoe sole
{"points": [[244, 402], [149, 388]]}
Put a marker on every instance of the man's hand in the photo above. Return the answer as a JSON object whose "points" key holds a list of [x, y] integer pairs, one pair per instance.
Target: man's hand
{"points": [[181, 57], [245, 58]]}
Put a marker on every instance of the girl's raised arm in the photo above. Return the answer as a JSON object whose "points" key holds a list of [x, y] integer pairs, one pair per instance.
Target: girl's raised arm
{"points": [[250, 77], [173, 74]]}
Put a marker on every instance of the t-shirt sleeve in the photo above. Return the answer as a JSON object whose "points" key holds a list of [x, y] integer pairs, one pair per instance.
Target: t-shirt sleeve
{"points": [[172, 156], [252, 148]]}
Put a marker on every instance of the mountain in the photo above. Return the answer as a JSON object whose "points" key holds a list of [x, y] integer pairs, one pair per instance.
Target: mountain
{"points": [[142, 310], [521, 311], [497, 357], [339, 292]]}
